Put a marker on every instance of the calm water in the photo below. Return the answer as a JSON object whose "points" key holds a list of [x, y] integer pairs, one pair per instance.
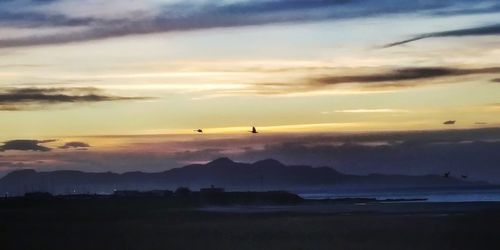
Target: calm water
{"points": [[432, 195]]}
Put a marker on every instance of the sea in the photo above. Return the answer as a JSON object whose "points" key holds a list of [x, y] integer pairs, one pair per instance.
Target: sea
{"points": [[468, 194]]}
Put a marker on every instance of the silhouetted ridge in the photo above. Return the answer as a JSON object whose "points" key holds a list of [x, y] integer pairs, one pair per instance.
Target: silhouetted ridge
{"points": [[269, 163], [20, 173], [223, 161], [268, 174]]}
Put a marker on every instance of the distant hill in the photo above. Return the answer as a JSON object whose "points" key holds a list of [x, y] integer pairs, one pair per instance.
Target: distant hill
{"points": [[262, 175]]}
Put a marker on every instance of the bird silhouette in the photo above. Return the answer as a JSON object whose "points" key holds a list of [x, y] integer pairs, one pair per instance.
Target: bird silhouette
{"points": [[254, 131], [450, 122], [198, 130], [464, 176], [446, 175]]}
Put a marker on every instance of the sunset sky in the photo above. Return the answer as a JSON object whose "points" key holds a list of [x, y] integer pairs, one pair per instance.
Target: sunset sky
{"points": [[118, 76]]}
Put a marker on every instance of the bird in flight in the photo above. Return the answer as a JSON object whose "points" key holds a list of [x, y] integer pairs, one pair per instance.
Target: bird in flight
{"points": [[450, 122], [464, 176], [254, 131], [447, 174], [198, 130]]}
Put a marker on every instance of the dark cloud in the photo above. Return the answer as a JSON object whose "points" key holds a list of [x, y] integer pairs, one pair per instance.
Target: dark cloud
{"points": [[17, 13], [396, 78], [12, 99], [34, 20], [477, 31], [406, 74], [489, 8], [213, 14], [25, 145], [75, 145]]}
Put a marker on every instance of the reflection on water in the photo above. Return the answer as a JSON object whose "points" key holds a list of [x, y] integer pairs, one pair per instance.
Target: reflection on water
{"points": [[432, 195]]}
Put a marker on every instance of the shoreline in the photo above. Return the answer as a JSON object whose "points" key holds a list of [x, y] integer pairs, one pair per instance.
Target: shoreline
{"points": [[409, 208]]}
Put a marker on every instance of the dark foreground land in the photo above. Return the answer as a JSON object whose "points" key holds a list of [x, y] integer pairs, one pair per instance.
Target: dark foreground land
{"points": [[155, 223]]}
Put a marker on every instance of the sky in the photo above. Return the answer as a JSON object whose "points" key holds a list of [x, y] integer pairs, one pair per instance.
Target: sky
{"points": [[85, 84]]}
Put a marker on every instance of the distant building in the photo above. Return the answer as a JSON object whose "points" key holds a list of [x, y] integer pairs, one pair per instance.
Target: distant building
{"points": [[212, 190], [134, 193]]}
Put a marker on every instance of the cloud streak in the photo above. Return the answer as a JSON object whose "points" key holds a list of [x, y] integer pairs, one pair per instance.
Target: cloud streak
{"points": [[176, 18], [386, 80], [36, 20], [12, 99], [195, 15], [405, 74], [476, 31]]}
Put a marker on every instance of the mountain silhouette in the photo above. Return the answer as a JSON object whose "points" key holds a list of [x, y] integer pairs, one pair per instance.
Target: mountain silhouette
{"points": [[268, 174]]}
